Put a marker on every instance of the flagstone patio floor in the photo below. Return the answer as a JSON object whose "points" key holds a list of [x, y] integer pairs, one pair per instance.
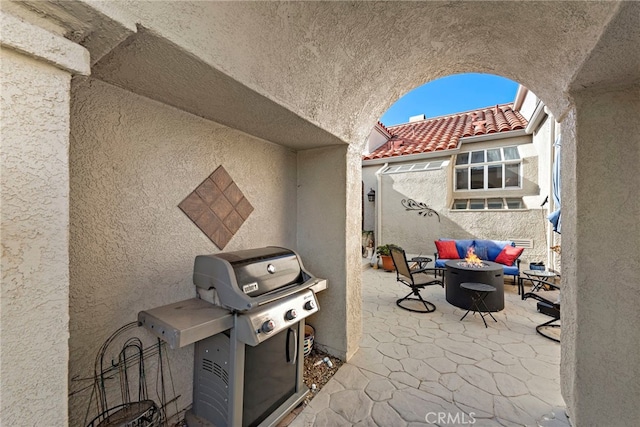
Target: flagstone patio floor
{"points": [[433, 369]]}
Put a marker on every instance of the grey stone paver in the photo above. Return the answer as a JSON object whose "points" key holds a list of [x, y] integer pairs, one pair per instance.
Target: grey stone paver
{"points": [[442, 364], [410, 364], [393, 350], [419, 370], [367, 422], [478, 378], [351, 378], [352, 405], [384, 415], [405, 378], [328, 418], [477, 401], [510, 386], [320, 402], [392, 364], [379, 390]]}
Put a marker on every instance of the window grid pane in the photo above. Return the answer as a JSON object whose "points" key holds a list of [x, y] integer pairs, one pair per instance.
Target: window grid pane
{"points": [[495, 204], [489, 169], [476, 204], [477, 157], [512, 175], [494, 176], [514, 204], [462, 179], [462, 159], [460, 204], [494, 155], [477, 178], [490, 203], [414, 167], [511, 153]]}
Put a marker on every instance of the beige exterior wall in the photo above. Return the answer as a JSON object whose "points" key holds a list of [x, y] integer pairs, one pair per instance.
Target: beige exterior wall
{"points": [[133, 160], [322, 226], [601, 258], [416, 234], [36, 64], [34, 204]]}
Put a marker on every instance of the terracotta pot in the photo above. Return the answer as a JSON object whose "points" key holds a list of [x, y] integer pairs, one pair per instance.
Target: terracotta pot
{"points": [[387, 263]]}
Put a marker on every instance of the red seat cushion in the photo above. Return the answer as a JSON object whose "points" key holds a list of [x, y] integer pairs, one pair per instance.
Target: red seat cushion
{"points": [[509, 255], [447, 249]]}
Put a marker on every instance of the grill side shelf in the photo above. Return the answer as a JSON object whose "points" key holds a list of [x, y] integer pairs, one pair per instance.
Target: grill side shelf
{"points": [[185, 322]]}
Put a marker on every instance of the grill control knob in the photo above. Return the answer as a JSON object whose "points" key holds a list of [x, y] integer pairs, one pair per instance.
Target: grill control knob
{"points": [[291, 314], [309, 305], [268, 326]]}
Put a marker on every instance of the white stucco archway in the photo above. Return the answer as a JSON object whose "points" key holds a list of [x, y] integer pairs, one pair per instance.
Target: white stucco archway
{"points": [[314, 77]]}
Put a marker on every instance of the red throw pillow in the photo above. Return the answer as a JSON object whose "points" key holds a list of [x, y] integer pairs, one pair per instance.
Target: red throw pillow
{"points": [[447, 249], [509, 255]]}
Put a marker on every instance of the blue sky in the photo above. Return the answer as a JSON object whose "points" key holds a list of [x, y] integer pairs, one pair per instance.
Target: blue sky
{"points": [[451, 94]]}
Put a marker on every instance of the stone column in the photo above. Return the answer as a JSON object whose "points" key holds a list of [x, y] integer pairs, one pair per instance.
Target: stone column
{"points": [[329, 179], [600, 364], [36, 69]]}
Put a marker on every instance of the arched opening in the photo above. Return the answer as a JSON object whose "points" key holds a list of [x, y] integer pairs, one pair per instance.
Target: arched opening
{"points": [[301, 84], [493, 157], [476, 173]]}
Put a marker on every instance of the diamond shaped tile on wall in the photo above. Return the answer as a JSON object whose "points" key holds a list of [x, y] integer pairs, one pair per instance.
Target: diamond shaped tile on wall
{"points": [[217, 207]]}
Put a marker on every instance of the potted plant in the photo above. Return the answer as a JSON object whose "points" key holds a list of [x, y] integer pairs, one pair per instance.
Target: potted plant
{"points": [[384, 252]]}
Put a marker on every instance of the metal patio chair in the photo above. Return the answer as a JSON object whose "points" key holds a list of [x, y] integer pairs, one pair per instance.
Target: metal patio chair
{"points": [[548, 296], [416, 279]]}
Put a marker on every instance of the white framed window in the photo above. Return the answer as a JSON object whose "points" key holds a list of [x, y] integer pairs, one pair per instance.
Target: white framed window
{"points": [[493, 168], [415, 167], [490, 203]]}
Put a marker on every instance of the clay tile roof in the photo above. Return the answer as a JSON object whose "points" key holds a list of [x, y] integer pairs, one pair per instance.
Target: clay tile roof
{"points": [[384, 128], [444, 133]]}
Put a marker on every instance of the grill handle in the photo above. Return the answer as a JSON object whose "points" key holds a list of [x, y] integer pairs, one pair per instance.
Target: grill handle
{"points": [[293, 360]]}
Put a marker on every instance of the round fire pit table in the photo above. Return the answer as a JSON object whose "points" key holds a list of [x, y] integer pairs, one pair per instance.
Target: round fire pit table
{"points": [[490, 273]]}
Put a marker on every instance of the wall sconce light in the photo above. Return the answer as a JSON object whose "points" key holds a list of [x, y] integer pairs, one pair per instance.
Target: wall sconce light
{"points": [[371, 195]]}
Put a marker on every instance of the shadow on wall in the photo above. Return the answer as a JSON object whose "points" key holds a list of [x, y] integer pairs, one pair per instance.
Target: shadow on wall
{"points": [[416, 233]]}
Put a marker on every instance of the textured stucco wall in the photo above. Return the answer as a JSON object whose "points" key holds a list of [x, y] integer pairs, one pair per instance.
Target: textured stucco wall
{"points": [[133, 160], [601, 258], [413, 232], [286, 52], [34, 215], [416, 233], [548, 46], [322, 227]]}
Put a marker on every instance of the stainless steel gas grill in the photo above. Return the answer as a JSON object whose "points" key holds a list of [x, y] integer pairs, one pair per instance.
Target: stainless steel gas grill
{"points": [[248, 329]]}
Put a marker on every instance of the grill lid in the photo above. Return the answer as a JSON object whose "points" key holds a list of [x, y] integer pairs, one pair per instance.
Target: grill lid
{"points": [[248, 278]]}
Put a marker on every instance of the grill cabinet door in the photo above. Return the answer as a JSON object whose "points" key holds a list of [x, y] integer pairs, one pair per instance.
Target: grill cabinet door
{"points": [[269, 380]]}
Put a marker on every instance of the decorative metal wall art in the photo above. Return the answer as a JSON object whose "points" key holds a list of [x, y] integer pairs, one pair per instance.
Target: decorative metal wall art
{"points": [[421, 208]]}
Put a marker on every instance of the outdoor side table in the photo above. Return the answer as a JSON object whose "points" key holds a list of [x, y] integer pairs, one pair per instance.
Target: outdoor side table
{"points": [[534, 274], [479, 292], [422, 261]]}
